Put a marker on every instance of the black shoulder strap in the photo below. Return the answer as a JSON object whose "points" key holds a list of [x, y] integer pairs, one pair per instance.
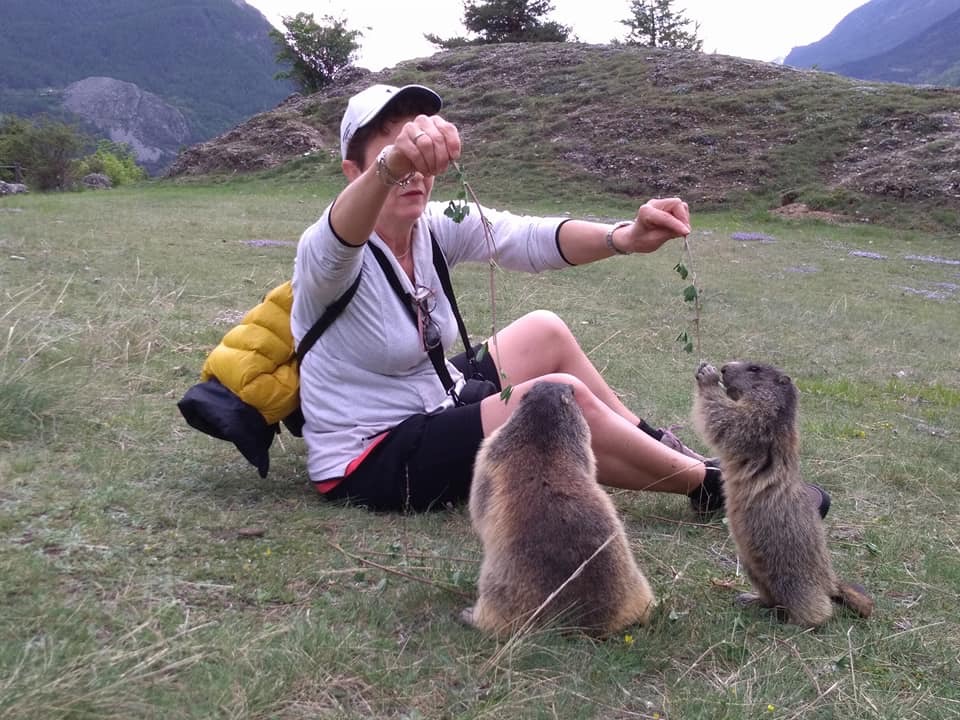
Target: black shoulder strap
{"points": [[440, 264], [329, 315], [443, 272], [394, 281], [436, 355]]}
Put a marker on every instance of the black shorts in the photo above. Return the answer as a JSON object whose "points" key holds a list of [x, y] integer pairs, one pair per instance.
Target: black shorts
{"points": [[426, 461]]}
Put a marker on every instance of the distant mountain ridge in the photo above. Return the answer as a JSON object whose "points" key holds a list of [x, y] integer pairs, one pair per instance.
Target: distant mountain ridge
{"points": [[211, 60], [931, 58], [909, 41]]}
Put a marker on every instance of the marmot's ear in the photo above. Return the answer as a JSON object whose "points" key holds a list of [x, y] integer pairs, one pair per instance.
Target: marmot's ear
{"points": [[784, 380]]}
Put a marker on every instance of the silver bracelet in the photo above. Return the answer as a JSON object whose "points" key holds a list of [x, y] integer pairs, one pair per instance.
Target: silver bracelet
{"points": [[610, 232], [387, 177]]}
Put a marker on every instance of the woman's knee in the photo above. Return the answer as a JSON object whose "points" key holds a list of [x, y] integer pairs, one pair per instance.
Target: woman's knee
{"points": [[547, 320], [549, 328]]}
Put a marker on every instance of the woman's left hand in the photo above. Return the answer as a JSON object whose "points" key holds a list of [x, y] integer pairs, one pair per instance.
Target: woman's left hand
{"points": [[658, 220]]}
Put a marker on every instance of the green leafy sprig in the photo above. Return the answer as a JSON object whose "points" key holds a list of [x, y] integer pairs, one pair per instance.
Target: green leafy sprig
{"points": [[457, 210], [691, 294]]}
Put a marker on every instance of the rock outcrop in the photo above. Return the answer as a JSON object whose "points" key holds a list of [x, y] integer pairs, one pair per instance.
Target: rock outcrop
{"points": [[12, 188], [96, 181], [154, 129], [264, 141]]}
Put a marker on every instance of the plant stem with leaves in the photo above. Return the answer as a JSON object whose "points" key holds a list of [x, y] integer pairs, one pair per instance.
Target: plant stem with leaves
{"points": [[691, 294], [457, 210]]}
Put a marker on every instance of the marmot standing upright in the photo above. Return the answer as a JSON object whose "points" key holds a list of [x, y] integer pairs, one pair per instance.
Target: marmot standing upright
{"points": [[750, 419], [540, 514]]}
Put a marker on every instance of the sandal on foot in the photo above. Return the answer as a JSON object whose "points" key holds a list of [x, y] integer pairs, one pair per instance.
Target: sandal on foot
{"points": [[674, 443], [707, 498], [820, 497], [667, 437]]}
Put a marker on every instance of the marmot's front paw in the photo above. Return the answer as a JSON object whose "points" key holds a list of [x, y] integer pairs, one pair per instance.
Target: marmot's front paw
{"points": [[466, 617], [707, 374]]}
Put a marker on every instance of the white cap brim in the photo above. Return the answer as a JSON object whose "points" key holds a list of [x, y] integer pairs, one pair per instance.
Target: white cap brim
{"points": [[366, 105]]}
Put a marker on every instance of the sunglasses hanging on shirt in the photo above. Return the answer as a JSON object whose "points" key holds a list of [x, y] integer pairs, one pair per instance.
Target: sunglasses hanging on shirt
{"points": [[419, 307]]}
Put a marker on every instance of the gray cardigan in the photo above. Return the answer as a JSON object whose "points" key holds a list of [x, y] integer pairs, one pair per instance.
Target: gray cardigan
{"points": [[368, 371]]}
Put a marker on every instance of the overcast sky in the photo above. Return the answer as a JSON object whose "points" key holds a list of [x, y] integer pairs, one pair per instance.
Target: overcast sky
{"points": [[758, 29]]}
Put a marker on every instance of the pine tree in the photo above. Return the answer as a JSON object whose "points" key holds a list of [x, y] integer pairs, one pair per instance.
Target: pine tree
{"points": [[655, 24], [504, 21]]}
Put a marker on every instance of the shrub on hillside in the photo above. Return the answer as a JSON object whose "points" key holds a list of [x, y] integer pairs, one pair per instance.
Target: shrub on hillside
{"points": [[115, 160], [49, 152], [45, 150]]}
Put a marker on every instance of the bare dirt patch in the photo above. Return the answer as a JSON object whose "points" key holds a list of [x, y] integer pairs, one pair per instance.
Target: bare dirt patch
{"points": [[803, 212], [264, 141]]}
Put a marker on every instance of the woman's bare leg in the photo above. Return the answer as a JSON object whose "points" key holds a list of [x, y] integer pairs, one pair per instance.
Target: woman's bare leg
{"points": [[626, 456], [540, 343]]}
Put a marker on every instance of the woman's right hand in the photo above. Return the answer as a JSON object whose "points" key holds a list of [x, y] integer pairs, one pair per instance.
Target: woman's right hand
{"points": [[427, 145]]}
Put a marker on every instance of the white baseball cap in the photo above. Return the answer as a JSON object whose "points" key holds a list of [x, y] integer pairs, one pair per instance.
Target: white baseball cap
{"points": [[366, 105]]}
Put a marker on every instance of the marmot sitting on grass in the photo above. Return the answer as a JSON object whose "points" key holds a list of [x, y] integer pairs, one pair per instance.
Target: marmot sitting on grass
{"points": [[540, 514], [750, 419]]}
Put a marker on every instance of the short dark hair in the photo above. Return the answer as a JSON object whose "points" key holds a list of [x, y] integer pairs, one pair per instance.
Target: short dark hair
{"points": [[400, 107]]}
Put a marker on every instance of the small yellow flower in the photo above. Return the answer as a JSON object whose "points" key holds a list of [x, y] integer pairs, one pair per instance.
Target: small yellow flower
{"points": [[267, 552], [770, 708], [628, 639]]}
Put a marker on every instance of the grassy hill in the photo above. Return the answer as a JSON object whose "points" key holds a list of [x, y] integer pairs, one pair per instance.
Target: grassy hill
{"points": [[588, 120]]}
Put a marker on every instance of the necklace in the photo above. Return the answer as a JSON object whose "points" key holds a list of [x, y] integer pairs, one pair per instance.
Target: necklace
{"points": [[406, 252]]}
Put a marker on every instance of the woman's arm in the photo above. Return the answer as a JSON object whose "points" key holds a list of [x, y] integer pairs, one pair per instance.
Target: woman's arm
{"points": [[657, 221], [425, 145], [355, 210]]}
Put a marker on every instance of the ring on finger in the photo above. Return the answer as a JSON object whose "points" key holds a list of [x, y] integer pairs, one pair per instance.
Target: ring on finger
{"points": [[418, 135]]}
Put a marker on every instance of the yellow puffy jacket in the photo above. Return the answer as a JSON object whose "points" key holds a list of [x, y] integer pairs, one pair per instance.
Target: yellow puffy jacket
{"points": [[256, 359]]}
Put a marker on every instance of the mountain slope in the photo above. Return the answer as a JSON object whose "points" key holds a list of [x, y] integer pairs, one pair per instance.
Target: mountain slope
{"points": [[874, 28], [631, 122], [153, 129], [932, 57], [213, 59]]}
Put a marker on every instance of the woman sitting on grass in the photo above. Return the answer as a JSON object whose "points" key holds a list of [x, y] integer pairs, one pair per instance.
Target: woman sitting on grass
{"points": [[381, 429]]}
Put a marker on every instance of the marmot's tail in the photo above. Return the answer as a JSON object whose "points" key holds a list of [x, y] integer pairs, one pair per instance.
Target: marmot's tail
{"points": [[854, 597]]}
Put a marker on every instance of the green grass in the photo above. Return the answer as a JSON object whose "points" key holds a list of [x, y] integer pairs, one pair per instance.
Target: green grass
{"points": [[129, 591]]}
